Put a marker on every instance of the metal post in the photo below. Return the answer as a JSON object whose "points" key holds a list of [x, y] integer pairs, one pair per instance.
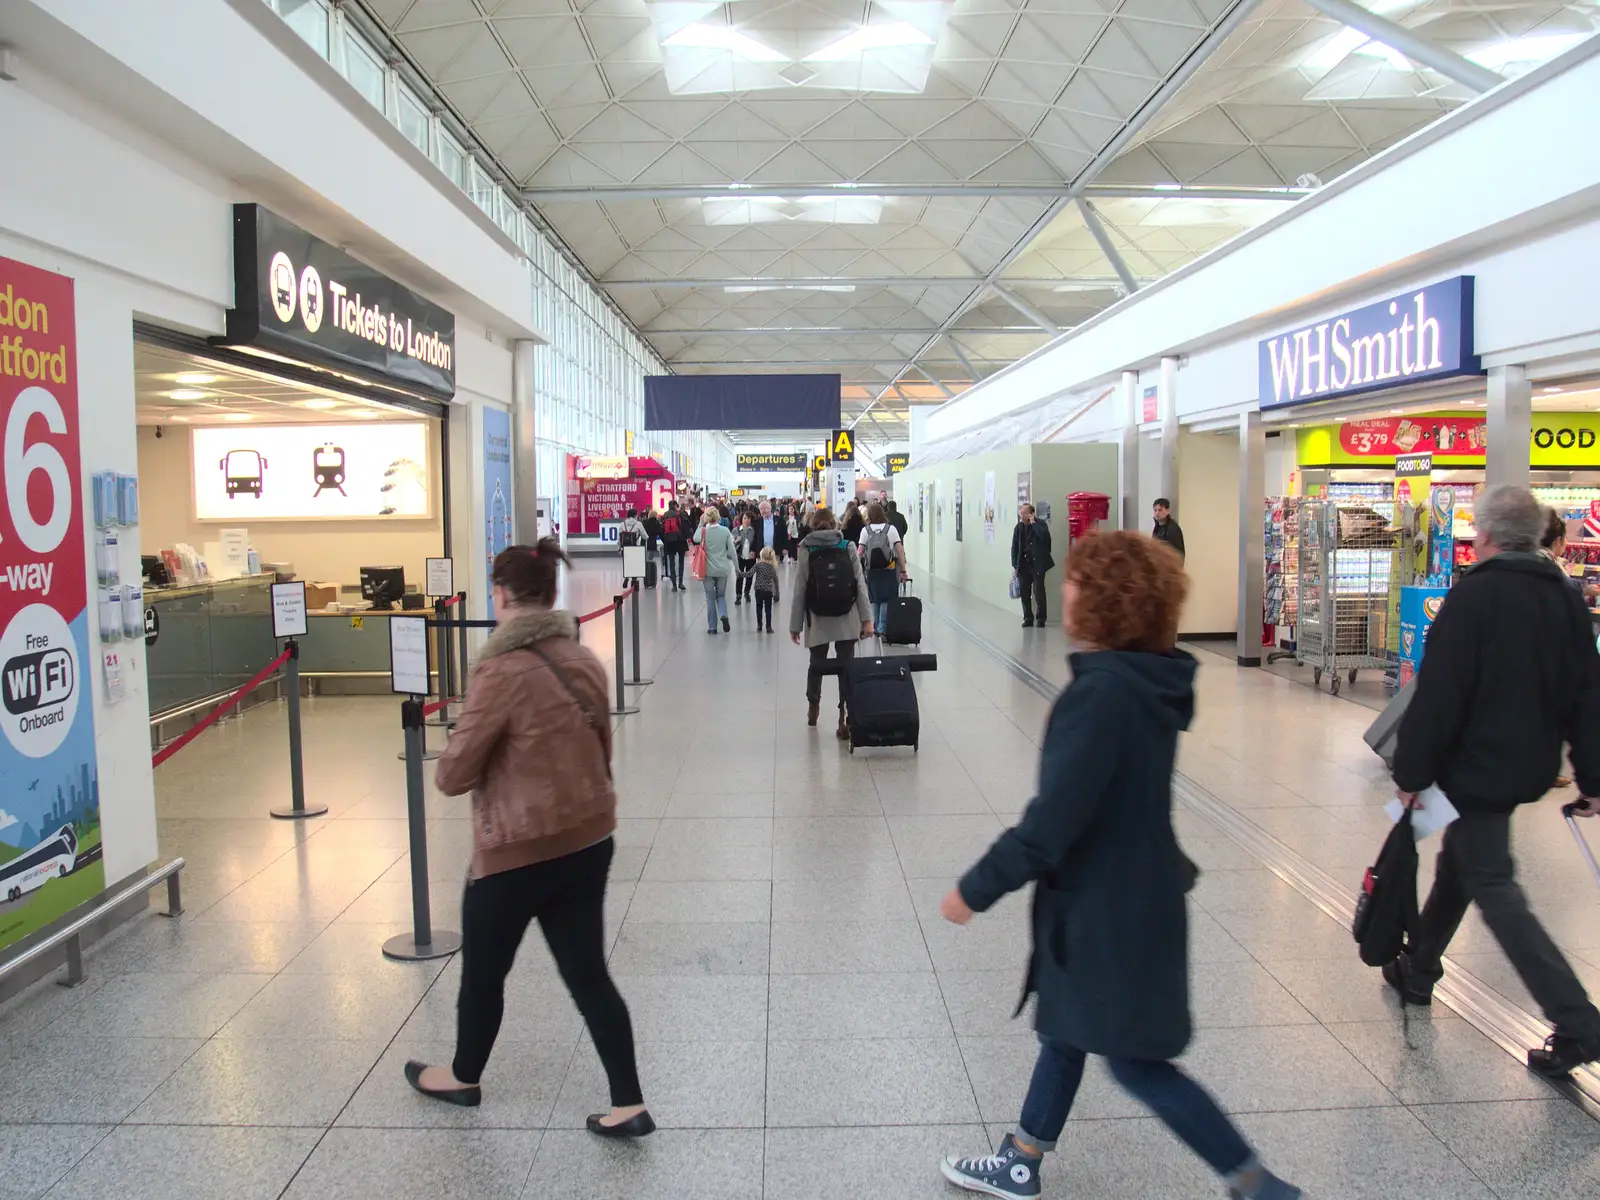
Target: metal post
{"points": [[1252, 536], [461, 666], [74, 975], [623, 708], [297, 776], [634, 608], [174, 896], [424, 941], [442, 656]]}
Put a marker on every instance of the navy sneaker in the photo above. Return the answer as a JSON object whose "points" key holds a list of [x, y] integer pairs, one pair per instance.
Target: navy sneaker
{"points": [[1011, 1174]]}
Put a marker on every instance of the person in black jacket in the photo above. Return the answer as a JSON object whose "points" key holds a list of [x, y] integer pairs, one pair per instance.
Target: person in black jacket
{"points": [[1110, 926], [1510, 671], [1166, 529], [771, 530], [1031, 561]]}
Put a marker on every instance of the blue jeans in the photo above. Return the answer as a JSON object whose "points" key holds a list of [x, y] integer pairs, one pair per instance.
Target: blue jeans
{"points": [[880, 616], [1185, 1106], [716, 587]]}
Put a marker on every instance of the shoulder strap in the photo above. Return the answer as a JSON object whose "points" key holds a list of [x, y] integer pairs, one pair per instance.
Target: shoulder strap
{"points": [[588, 709]]}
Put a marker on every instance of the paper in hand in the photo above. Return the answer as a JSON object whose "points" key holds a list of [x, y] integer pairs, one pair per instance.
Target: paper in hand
{"points": [[1433, 813]]}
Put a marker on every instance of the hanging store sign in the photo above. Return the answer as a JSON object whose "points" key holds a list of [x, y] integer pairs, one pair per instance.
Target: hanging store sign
{"points": [[1558, 440], [601, 466], [1421, 335], [897, 462], [842, 446], [298, 296], [49, 777], [786, 462]]}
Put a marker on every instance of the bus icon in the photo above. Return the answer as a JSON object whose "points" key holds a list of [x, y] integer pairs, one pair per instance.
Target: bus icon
{"points": [[243, 470]]}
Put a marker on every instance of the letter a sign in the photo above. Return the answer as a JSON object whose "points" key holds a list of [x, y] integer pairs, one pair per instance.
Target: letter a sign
{"points": [[842, 446]]}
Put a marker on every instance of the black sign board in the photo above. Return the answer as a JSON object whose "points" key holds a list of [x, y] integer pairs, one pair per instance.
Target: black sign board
{"points": [[793, 461], [299, 297], [842, 446], [898, 462]]}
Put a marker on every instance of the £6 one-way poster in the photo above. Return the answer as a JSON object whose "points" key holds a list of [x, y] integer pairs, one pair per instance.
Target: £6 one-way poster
{"points": [[49, 786]]}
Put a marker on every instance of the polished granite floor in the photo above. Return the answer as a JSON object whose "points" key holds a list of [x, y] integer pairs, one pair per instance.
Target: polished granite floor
{"points": [[808, 1028]]}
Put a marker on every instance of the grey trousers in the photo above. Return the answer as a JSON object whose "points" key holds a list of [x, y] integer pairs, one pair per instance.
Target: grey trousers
{"points": [[1475, 867]]}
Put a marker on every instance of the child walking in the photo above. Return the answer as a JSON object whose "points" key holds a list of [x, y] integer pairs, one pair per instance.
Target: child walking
{"points": [[766, 573]]}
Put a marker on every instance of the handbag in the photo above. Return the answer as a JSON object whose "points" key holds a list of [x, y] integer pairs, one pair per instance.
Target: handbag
{"points": [[697, 562], [1016, 586]]}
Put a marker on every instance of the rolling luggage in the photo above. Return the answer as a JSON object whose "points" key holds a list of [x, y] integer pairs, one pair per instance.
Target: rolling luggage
{"points": [[650, 572], [1569, 811], [882, 710], [903, 626]]}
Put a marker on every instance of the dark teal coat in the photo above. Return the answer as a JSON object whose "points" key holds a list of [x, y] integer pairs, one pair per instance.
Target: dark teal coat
{"points": [[1110, 930]]}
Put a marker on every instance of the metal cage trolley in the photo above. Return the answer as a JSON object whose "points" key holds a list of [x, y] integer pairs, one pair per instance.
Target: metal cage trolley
{"points": [[1346, 559]]}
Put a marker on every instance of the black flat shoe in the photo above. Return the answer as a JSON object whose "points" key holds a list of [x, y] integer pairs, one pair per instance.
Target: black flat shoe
{"points": [[467, 1097], [634, 1127]]}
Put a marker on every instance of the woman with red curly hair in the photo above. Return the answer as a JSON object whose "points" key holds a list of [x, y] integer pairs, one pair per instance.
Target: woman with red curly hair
{"points": [[1110, 929]]}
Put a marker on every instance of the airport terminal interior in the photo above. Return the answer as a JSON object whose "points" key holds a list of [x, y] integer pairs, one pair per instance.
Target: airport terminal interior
{"points": [[294, 374]]}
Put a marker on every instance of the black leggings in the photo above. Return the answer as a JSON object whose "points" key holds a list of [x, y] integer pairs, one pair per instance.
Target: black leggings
{"points": [[567, 896]]}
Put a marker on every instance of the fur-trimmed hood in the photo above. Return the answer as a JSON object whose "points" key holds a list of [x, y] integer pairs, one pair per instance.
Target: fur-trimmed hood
{"points": [[528, 628]]}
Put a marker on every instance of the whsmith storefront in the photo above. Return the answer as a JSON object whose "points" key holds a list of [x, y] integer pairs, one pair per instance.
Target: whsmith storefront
{"points": [[309, 442], [1387, 413]]}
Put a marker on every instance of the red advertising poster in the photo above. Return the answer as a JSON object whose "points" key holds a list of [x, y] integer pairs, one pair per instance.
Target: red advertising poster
{"points": [[49, 785], [607, 495], [1443, 437]]}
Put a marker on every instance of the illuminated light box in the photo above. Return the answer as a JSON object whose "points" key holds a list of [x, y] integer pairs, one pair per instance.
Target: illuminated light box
{"points": [[312, 472]]}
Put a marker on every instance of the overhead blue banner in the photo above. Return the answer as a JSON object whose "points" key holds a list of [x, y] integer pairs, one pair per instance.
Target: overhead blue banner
{"points": [[1420, 335], [741, 402]]}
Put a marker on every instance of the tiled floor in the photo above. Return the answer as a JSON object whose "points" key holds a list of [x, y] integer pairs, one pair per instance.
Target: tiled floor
{"points": [[808, 1028]]}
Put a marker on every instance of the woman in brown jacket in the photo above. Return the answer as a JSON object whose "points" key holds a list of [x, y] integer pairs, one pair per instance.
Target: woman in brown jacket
{"points": [[533, 746]]}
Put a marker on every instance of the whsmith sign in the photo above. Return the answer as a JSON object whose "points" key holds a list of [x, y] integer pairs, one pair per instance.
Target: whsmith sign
{"points": [[302, 298], [1421, 335], [795, 461]]}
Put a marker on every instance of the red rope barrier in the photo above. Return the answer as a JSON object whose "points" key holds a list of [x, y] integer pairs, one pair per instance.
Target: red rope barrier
{"points": [[599, 612], [216, 714], [456, 599], [434, 706]]}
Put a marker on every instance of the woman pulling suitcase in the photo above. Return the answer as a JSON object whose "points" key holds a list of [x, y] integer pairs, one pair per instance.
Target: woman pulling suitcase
{"points": [[1110, 935], [829, 608]]}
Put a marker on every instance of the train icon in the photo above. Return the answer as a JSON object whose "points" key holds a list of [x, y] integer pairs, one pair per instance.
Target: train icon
{"points": [[243, 470], [327, 468]]}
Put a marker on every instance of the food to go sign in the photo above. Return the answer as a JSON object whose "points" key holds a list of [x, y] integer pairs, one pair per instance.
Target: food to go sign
{"points": [[49, 784]]}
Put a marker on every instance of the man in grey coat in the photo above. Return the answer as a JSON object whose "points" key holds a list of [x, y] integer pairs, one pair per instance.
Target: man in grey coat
{"points": [[822, 608]]}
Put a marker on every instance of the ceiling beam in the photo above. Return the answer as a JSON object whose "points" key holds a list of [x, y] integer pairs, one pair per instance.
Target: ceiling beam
{"points": [[1022, 191], [1170, 86], [1027, 310], [832, 331], [1091, 219], [1447, 62], [812, 282], [961, 357]]}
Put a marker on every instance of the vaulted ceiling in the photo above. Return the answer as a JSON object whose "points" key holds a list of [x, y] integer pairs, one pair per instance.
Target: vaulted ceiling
{"points": [[916, 192]]}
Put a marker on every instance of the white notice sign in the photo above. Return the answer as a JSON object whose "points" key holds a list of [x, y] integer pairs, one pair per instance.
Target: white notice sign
{"points": [[408, 656], [289, 609], [235, 554], [440, 573], [633, 558]]}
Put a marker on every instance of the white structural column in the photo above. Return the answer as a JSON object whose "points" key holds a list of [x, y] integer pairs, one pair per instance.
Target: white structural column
{"points": [[1168, 397], [1128, 454], [1252, 535], [1510, 426], [1447, 62], [524, 444]]}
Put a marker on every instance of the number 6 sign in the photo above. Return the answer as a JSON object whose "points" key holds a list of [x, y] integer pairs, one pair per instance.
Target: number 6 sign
{"points": [[49, 779]]}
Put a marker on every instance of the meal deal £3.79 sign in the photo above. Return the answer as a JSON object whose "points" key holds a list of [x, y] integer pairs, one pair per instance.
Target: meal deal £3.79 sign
{"points": [[49, 785]]}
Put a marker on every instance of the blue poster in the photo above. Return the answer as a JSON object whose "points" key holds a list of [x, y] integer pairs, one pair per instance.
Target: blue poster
{"points": [[1418, 607], [496, 494]]}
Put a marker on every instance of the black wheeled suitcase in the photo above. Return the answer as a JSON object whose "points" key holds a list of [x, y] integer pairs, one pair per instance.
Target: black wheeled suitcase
{"points": [[882, 710], [650, 572], [1570, 812], [903, 626]]}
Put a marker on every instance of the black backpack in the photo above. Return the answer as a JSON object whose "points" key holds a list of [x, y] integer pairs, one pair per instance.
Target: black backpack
{"points": [[831, 581], [1386, 908]]}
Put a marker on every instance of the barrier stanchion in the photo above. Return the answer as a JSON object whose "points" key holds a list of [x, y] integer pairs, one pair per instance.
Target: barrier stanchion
{"points": [[623, 708], [297, 809], [461, 657], [441, 654], [424, 941], [633, 607]]}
